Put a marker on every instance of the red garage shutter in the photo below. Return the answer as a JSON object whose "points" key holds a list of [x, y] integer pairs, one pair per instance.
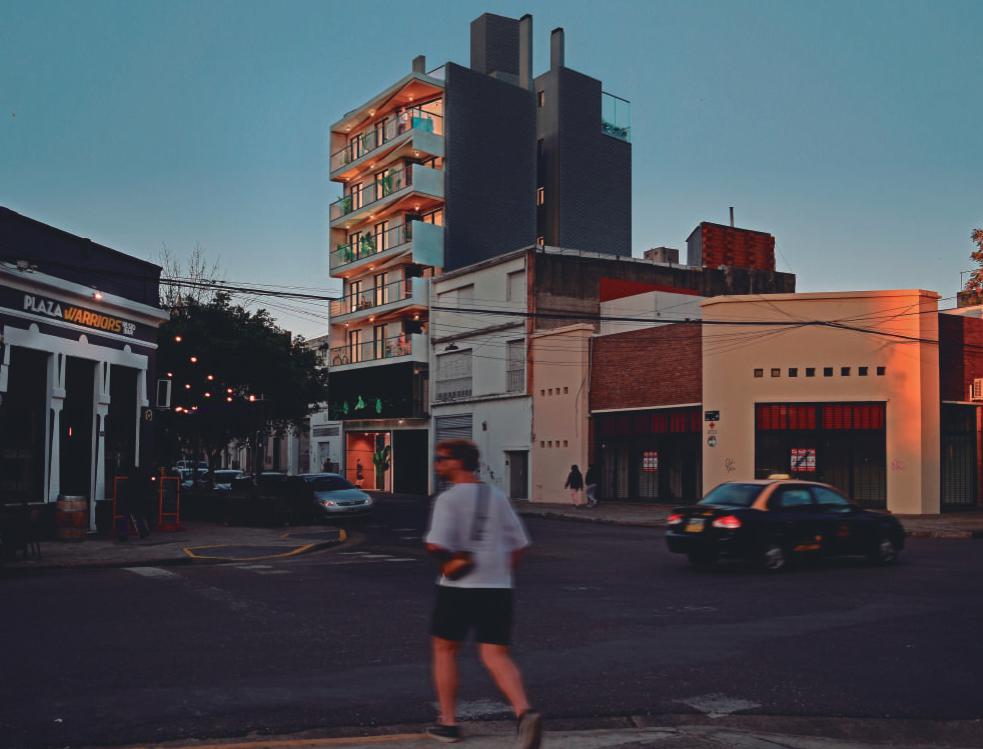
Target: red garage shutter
{"points": [[782, 417]]}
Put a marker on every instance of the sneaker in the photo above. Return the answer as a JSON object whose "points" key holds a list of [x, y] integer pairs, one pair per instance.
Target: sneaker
{"points": [[447, 734], [530, 730]]}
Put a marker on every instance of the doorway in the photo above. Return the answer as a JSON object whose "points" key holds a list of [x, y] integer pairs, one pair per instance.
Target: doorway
{"points": [[518, 463], [76, 427], [22, 427]]}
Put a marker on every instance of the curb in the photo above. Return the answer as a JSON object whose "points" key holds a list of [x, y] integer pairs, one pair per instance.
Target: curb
{"points": [[955, 732], [916, 533], [173, 561]]}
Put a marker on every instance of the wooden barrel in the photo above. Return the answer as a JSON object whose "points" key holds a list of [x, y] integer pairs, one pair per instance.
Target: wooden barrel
{"points": [[71, 517]]}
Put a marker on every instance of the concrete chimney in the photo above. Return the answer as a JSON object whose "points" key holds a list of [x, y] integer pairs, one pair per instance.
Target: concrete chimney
{"points": [[420, 64], [556, 49], [525, 52], [732, 216]]}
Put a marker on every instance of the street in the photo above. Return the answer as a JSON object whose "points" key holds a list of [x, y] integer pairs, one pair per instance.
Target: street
{"points": [[608, 624]]}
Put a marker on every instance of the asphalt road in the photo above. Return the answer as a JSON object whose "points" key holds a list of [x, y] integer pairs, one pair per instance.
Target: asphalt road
{"points": [[608, 624]]}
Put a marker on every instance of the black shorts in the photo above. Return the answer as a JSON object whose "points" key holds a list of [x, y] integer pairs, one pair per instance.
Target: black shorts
{"points": [[487, 610]]}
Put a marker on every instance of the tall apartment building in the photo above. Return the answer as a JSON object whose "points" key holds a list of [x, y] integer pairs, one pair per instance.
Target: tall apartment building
{"points": [[439, 171]]}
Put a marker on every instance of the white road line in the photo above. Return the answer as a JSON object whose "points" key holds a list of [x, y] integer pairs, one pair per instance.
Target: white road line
{"points": [[400, 560], [254, 566], [377, 556], [272, 572], [718, 705], [409, 538], [405, 530], [150, 572]]}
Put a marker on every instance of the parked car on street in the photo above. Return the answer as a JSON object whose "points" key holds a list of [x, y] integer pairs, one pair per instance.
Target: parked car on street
{"points": [[224, 478], [775, 520], [331, 495]]}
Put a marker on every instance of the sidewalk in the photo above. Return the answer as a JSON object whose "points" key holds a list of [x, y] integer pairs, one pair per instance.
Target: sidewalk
{"points": [[198, 542], [650, 515], [645, 733]]}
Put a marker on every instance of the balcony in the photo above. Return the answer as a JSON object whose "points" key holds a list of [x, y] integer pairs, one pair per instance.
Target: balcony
{"points": [[423, 242], [401, 348], [382, 300], [616, 116], [416, 132], [413, 180]]}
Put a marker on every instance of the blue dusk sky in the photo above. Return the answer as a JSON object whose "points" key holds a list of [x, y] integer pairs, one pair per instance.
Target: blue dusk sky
{"points": [[852, 131]]}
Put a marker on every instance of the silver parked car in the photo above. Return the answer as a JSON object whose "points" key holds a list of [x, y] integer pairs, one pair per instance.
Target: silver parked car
{"points": [[331, 494]]}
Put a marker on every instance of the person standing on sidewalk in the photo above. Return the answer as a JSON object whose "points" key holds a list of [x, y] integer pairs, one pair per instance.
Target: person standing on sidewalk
{"points": [[590, 486], [478, 539], [575, 482]]}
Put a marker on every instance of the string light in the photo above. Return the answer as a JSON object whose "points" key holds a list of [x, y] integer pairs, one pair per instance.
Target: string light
{"points": [[187, 387], [194, 359], [210, 377], [208, 395], [177, 339]]}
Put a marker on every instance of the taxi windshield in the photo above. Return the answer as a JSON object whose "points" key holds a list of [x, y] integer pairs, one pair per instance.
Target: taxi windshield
{"points": [[736, 495]]}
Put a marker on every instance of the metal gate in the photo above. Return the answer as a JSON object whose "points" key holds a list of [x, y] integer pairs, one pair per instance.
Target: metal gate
{"points": [[456, 427], [843, 444], [959, 474]]}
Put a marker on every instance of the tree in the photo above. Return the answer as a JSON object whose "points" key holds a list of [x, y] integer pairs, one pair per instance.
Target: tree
{"points": [[975, 282], [234, 373], [189, 280]]}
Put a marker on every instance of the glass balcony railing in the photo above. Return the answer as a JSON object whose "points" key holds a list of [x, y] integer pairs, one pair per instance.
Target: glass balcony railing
{"points": [[615, 116], [374, 350], [371, 244], [377, 296], [366, 195], [384, 131]]}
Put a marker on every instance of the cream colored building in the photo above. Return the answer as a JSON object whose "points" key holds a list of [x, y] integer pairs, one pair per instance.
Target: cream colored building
{"points": [[837, 386], [560, 362]]}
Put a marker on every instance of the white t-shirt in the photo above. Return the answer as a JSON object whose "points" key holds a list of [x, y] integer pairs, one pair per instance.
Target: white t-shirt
{"points": [[502, 533]]}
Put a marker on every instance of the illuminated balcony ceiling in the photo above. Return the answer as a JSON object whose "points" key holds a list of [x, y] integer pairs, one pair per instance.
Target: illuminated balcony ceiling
{"points": [[411, 90]]}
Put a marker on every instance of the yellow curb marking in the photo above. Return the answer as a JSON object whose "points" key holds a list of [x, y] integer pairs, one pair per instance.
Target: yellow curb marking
{"points": [[287, 743], [191, 551]]}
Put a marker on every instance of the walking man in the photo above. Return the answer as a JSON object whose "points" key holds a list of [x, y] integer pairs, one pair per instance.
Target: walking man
{"points": [[478, 539]]}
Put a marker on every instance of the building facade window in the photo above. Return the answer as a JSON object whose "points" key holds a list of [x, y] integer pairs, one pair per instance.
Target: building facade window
{"points": [[516, 366], [454, 375], [516, 288]]}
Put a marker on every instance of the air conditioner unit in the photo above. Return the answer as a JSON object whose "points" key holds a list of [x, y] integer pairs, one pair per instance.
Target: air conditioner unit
{"points": [[976, 389]]}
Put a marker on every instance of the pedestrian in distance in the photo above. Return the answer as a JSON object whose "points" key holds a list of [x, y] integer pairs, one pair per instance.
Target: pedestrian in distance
{"points": [[477, 539], [359, 473], [590, 486], [575, 482]]}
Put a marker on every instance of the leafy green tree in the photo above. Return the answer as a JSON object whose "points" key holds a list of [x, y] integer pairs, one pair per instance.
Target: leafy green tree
{"points": [[975, 282], [234, 373]]}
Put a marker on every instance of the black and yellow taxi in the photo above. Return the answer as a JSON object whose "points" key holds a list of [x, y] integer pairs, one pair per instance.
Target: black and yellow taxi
{"points": [[771, 521]]}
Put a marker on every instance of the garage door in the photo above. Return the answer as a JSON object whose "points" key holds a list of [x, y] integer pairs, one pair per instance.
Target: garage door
{"points": [[454, 427]]}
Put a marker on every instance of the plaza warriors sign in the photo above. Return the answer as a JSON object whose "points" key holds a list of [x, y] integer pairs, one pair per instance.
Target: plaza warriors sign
{"points": [[78, 315]]}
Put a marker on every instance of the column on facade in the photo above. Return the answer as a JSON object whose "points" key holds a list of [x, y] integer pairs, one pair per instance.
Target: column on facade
{"points": [[101, 407], [142, 403], [53, 407]]}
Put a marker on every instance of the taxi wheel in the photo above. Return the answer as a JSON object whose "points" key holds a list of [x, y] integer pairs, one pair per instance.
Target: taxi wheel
{"points": [[884, 552], [774, 558], [702, 560]]}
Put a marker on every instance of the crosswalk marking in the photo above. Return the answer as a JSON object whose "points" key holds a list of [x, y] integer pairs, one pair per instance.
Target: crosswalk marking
{"points": [[150, 571]]}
